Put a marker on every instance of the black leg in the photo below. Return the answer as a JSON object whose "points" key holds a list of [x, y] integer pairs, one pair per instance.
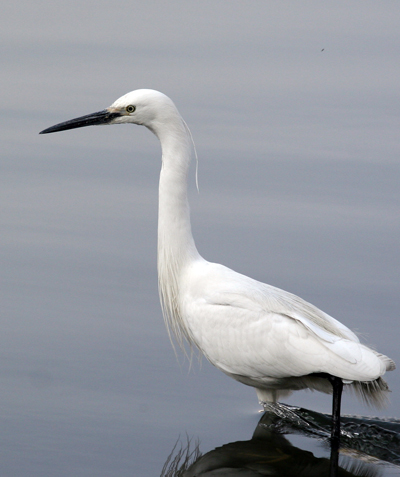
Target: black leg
{"points": [[337, 385]]}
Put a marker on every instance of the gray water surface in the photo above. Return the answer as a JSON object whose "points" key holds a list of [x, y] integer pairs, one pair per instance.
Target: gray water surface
{"points": [[299, 187]]}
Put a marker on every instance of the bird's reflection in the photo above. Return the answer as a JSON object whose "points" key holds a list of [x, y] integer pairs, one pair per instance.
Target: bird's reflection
{"points": [[366, 445]]}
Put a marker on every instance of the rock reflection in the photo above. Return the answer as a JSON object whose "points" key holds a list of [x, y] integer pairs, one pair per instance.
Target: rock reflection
{"points": [[366, 445]]}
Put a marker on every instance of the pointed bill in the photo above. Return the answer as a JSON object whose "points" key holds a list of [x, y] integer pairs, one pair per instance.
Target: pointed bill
{"points": [[94, 119]]}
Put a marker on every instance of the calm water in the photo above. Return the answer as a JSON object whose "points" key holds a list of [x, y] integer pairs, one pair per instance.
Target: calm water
{"points": [[299, 187]]}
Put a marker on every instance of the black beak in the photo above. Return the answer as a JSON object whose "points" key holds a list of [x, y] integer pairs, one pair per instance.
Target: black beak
{"points": [[94, 119]]}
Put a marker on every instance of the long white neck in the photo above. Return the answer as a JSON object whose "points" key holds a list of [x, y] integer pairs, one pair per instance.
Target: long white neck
{"points": [[176, 247]]}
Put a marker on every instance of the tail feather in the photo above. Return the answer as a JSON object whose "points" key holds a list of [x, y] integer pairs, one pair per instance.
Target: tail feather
{"points": [[389, 363], [373, 393]]}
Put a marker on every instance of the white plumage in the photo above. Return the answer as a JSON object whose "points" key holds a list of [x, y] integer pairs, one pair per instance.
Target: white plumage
{"points": [[257, 334]]}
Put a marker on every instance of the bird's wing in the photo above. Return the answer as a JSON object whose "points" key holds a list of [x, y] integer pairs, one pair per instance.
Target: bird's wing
{"points": [[246, 327]]}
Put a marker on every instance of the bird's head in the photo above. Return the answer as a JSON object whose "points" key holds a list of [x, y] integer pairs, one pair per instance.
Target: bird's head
{"points": [[145, 107]]}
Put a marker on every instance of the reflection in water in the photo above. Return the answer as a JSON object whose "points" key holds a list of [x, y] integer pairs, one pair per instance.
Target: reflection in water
{"points": [[181, 459], [366, 445], [378, 438]]}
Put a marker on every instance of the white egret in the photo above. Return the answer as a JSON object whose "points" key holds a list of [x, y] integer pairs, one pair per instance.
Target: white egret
{"points": [[258, 334]]}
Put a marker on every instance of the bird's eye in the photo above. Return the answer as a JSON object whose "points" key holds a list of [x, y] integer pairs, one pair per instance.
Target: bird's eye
{"points": [[130, 109]]}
